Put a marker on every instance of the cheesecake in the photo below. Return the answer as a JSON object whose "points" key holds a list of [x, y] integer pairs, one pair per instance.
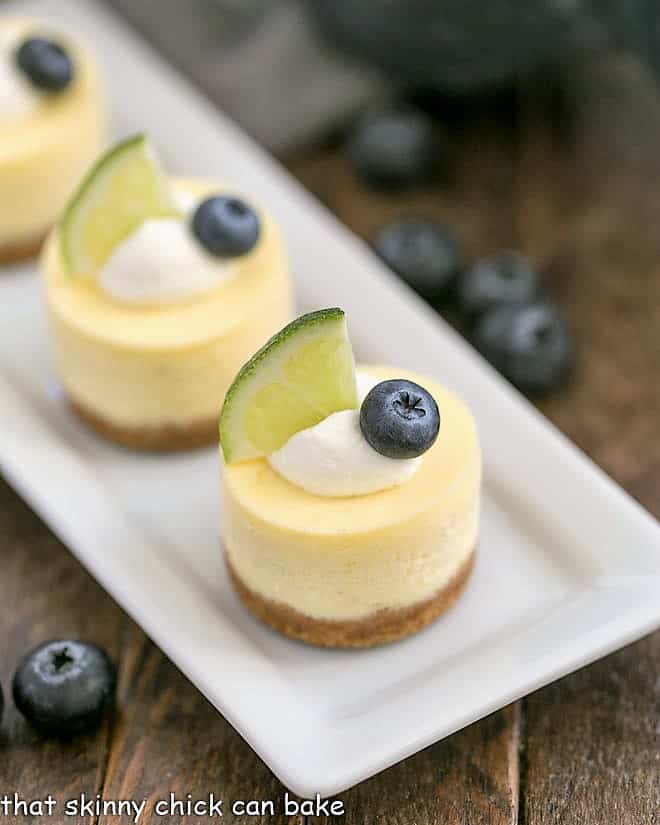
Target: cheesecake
{"points": [[157, 290], [52, 126], [349, 532]]}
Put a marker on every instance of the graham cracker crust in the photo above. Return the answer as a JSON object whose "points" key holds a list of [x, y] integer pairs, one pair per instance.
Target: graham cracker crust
{"points": [[11, 253], [381, 627], [165, 438]]}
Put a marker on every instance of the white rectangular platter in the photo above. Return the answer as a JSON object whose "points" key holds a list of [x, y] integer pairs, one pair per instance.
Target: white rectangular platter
{"points": [[568, 568]]}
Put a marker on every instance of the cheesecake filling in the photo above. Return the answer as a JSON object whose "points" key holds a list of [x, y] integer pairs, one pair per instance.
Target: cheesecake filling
{"points": [[354, 576], [18, 96], [350, 558], [162, 262], [139, 368], [334, 459]]}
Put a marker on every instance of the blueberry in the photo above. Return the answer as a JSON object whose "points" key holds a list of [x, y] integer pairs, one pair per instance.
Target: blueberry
{"points": [[506, 278], [529, 344], [399, 419], [393, 147], [421, 252], [46, 64], [226, 226], [63, 687]]}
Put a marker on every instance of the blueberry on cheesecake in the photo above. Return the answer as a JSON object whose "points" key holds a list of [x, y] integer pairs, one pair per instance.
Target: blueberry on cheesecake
{"points": [[158, 288], [350, 494], [52, 126]]}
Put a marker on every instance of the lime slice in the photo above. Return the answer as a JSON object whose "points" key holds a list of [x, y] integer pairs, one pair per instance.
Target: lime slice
{"points": [[302, 375], [122, 189]]}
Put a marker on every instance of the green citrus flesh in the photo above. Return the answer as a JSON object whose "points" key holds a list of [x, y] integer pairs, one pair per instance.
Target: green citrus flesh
{"points": [[124, 187], [299, 377]]}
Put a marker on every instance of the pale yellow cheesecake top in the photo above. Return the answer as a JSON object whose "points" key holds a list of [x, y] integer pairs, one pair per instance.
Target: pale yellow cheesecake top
{"points": [[83, 306], [447, 481]]}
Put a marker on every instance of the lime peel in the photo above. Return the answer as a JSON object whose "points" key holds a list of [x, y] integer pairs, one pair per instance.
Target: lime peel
{"points": [[300, 376], [125, 187]]}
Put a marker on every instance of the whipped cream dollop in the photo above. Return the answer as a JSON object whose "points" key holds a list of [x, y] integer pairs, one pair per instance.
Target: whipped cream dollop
{"points": [[334, 459], [18, 96], [162, 262]]}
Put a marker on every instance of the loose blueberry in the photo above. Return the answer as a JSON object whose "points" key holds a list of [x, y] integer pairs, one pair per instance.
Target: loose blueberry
{"points": [[226, 226], [46, 64], [503, 279], [63, 687], [399, 419], [421, 252], [394, 147], [530, 345]]}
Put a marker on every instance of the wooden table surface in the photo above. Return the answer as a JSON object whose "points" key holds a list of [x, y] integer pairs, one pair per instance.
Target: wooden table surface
{"points": [[569, 173]]}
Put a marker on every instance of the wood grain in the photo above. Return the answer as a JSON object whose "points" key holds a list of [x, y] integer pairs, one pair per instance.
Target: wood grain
{"points": [[469, 779], [592, 749], [170, 740], [44, 593], [568, 170]]}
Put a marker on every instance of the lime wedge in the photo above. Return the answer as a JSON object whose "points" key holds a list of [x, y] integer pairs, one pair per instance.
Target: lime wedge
{"points": [[122, 189], [299, 377]]}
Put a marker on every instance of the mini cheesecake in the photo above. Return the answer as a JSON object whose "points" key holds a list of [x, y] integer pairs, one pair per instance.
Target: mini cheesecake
{"points": [[362, 569], [52, 126], [147, 367]]}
